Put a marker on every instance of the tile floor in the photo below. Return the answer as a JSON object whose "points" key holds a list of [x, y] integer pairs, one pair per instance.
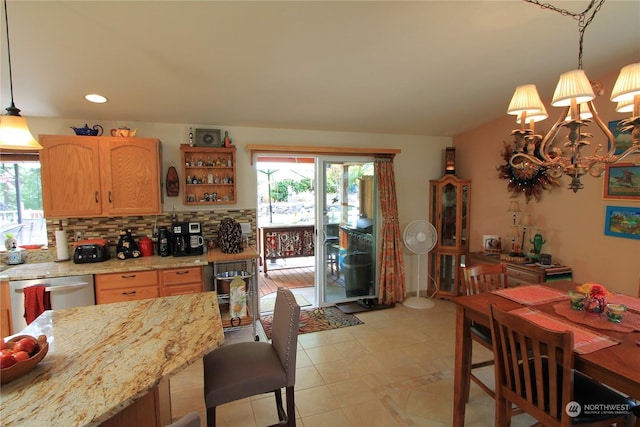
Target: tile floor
{"points": [[394, 370]]}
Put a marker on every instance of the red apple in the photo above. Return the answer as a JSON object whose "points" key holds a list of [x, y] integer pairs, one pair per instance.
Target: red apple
{"points": [[27, 344], [7, 360], [21, 355]]}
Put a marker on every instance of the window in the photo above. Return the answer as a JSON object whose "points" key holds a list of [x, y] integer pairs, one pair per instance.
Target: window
{"points": [[21, 213]]}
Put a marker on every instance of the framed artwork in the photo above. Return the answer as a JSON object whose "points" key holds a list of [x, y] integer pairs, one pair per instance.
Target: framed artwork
{"points": [[622, 181], [622, 221], [623, 139], [207, 138]]}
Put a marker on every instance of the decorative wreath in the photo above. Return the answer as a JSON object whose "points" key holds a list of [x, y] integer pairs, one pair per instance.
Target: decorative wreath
{"points": [[530, 180]]}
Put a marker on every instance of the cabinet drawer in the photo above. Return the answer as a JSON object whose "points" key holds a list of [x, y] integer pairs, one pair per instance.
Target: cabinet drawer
{"points": [[126, 279], [173, 276], [191, 288], [105, 296], [519, 277]]}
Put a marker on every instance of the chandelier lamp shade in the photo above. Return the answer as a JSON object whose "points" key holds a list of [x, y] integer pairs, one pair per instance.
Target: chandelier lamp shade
{"points": [[574, 155], [14, 132]]}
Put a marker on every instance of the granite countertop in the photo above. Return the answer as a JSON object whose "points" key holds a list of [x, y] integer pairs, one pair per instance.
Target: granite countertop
{"points": [[91, 374], [114, 265]]}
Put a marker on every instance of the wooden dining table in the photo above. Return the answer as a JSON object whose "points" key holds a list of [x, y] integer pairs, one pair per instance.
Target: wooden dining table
{"points": [[617, 366]]}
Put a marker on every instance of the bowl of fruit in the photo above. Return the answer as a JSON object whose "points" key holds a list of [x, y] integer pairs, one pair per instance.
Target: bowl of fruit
{"points": [[20, 355]]}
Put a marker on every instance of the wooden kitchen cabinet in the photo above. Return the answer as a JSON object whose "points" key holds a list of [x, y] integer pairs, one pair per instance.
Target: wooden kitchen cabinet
{"points": [[180, 281], [6, 327], [209, 175], [127, 286], [85, 176]]}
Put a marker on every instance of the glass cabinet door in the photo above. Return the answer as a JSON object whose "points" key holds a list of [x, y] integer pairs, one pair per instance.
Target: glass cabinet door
{"points": [[449, 201]]}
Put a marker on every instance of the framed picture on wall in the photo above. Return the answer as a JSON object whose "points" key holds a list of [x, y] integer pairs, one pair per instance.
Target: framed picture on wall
{"points": [[207, 138], [622, 181], [622, 221], [623, 139]]}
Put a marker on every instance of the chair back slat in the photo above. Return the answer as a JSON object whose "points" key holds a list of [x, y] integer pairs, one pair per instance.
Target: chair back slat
{"points": [[478, 278], [534, 366]]}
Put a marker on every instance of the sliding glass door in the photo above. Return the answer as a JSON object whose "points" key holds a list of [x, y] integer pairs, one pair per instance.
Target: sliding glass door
{"points": [[346, 224]]}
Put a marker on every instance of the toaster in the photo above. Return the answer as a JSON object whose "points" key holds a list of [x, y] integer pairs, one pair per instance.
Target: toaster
{"points": [[92, 250]]}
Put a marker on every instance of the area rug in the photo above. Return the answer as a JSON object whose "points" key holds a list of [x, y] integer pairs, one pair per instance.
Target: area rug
{"points": [[268, 302], [316, 319]]}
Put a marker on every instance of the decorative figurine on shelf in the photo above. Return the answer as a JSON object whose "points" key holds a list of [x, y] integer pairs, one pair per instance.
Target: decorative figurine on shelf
{"points": [[127, 247], [226, 140], [537, 243]]}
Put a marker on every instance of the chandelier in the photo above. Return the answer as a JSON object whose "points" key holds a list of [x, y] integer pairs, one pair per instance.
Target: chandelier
{"points": [[575, 94]]}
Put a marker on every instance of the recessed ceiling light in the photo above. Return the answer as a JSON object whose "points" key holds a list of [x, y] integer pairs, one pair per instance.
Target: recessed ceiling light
{"points": [[94, 97]]}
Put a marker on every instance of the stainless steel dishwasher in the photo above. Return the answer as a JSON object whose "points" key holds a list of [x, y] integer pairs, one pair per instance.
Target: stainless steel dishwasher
{"points": [[65, 292]]}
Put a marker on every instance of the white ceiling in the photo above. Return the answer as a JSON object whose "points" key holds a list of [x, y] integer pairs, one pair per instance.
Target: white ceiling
{"points": [[422, 68]]}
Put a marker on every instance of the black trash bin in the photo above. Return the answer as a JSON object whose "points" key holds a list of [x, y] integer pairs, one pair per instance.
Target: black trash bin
{"points": [[357, 274]]}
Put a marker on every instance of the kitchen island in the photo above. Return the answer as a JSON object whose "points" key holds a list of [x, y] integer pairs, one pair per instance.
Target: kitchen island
{"points": [[110, 364]]}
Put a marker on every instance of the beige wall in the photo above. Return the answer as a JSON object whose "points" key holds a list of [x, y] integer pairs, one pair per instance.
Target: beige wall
{"points": [[572, 224], [421, 159]]}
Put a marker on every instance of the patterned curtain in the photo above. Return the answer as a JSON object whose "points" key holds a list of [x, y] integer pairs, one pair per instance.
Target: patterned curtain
{"points": [[391, 263]]}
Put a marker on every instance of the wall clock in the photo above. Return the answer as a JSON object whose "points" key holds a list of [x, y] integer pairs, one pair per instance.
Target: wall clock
{"points": [[530, 180], [207, 138]]}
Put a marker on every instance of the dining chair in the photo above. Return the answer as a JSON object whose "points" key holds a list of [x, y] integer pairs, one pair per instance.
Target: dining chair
{"points": [[245, 369], [478, 278], [543, 383]]}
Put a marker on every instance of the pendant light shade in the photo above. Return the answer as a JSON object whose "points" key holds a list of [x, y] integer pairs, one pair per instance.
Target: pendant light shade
{"points": [[15, 134]]}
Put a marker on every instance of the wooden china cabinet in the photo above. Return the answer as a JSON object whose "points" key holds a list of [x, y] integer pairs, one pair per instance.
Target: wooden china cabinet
{"points": [[449, 205]]}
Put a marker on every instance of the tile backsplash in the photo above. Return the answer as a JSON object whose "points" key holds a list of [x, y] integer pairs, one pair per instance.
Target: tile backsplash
{"points": [[110, 227]]}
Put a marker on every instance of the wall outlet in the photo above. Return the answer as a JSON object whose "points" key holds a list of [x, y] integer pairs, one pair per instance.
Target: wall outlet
{"points": [[78, 235]]}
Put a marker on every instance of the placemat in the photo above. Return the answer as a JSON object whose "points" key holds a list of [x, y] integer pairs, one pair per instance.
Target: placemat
{"points": [[532, 294], [630, 321], [632, 303], [584, 340]]}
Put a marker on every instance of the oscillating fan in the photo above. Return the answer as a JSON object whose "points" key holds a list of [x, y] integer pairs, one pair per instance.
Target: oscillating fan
{"points": [[419, 237]]}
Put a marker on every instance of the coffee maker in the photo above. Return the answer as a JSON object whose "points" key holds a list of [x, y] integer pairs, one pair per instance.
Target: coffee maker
{"points": [[186, 239]]}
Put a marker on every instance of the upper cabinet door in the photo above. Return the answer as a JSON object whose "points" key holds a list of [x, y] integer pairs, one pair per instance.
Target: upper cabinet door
{"points": [[130, 176], [85, 176], [70, 177]]}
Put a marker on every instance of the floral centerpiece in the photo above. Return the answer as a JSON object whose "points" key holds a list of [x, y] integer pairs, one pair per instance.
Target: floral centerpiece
{"points": [[596, 297]]}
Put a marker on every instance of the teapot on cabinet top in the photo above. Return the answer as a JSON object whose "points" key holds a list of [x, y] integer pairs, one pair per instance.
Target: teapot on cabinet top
{"points": [[124, 132], [96, 130]]}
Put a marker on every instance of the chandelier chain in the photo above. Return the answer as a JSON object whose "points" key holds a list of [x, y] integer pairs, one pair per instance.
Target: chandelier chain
{"points": [[583, 23]]}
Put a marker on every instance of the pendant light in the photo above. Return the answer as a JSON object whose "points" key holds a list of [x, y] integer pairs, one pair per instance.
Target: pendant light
{"points": [[14, 132]]}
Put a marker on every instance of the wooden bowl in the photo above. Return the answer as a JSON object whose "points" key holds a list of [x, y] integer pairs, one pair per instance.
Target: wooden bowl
{"points": [[19, 369]]}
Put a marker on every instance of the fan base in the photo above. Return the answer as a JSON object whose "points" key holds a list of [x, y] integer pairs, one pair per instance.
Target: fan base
{"points": [[417, 302]]}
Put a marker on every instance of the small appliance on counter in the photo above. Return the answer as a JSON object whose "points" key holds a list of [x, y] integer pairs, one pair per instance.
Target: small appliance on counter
{"points": [[91, 250], [186, 239], [164, 242]]}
